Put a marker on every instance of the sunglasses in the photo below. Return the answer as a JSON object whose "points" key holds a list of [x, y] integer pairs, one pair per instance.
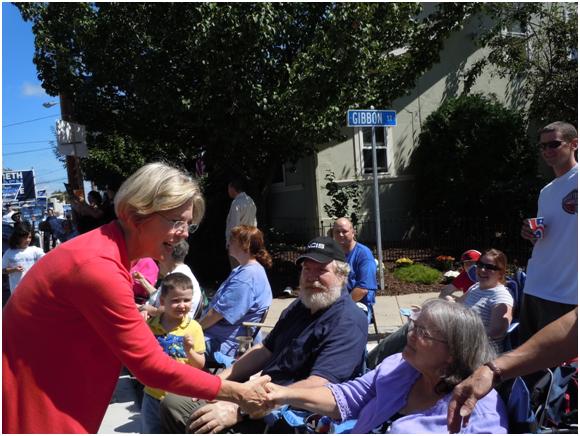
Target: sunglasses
{"points": [[550, 144], [488, 266]]}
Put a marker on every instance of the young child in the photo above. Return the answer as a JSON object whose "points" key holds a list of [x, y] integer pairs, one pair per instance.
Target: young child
{"points": [[179, 336], [20, 257]]}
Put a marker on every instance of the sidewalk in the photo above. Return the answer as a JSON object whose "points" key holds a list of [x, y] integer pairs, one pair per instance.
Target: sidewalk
{"points": [[122, 416]]}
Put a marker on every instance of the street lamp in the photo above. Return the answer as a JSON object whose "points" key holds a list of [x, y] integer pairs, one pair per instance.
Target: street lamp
{"points": [[50, 104]]}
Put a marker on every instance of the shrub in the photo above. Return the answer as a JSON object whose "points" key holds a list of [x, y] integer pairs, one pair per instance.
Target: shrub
{"points": [[474, 159], [418, 274]]}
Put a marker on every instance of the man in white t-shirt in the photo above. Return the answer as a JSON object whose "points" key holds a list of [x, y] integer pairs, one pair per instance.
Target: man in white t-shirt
{"points": [[551, 288], [242, 211]]}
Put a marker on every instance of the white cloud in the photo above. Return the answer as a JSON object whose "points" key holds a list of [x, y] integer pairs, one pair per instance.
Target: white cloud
{"points": [[32, 90]]}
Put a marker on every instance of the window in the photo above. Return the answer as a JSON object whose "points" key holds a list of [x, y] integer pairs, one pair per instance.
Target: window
{"points": [[367, 150]]}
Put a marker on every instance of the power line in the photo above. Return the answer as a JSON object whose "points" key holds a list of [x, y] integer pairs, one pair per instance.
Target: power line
{"points": [[28, 151], [30, 121], [28, 142], [51, 181]]}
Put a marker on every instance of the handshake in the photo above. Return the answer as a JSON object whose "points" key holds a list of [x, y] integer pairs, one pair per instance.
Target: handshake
{"points": [[261, 397], [256, 398]]}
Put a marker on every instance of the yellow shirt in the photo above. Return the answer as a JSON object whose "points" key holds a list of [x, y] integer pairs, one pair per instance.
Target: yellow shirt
{"points": [[172, 343]]}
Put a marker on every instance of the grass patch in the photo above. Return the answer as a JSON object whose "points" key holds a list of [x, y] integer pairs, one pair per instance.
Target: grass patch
{"points": [[418, 273]]}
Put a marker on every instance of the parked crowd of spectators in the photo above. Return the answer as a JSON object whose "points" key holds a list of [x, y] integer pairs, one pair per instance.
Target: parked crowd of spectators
{"points": [[418, 380]]}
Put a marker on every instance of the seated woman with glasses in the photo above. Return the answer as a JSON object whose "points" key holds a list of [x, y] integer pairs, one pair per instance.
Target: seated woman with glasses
{"points": [[410, 392], [244, 296], [488, 297]]}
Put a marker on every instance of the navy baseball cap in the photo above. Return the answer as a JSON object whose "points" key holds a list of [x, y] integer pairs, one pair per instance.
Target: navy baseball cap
{"points": [[322, 250]]}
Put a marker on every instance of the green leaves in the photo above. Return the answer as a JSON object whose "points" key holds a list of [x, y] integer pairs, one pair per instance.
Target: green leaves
{"points": [[474, 160], [258, 83], [536, 45]]}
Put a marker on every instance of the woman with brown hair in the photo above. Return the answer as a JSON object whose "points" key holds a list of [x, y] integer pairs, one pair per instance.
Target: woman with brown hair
{"points": [[243, 297], [489, 297]]}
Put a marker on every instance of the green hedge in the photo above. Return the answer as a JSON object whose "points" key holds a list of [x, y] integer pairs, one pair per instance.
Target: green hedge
{"points": [[418, 273]]}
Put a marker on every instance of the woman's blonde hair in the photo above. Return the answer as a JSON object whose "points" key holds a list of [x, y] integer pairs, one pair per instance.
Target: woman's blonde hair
{"points": [[156, 187]]}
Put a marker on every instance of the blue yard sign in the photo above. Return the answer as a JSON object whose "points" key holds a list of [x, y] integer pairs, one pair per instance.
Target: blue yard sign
{"points": [[370, 118], [18, 186]]}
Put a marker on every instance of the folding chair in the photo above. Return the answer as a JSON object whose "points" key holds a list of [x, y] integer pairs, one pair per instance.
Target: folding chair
{"points": [[516, 396], [554, 399], [221, 361]]}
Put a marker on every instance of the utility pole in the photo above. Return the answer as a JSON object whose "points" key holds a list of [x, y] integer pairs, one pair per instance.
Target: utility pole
{"points": [[73, 167]]}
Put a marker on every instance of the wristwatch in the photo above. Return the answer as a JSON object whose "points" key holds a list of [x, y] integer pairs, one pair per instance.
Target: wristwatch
{"points": [[497, 374]]}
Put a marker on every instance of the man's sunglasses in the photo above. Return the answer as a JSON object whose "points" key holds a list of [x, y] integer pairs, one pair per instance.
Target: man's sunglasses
{"points": [[550, 144], [488, 266]]}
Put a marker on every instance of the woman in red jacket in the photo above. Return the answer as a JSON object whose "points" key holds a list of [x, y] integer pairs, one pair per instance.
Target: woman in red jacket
{"points": [[73, 322]]}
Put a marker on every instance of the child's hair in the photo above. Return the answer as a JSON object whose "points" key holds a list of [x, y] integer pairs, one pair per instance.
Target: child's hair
{"points": [[251, 240], [175, 281], [21, 231]]}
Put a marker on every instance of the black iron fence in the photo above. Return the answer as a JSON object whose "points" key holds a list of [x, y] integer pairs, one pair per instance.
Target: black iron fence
{"points": [[419, 239]]}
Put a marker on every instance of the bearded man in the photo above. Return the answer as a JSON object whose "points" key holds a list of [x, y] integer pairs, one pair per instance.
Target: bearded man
{"points": [[320, 338]]}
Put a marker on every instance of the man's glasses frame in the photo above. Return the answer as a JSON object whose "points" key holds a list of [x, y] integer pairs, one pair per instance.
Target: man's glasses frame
{"points": [[487, 266], [422, 332], [180, 226]]}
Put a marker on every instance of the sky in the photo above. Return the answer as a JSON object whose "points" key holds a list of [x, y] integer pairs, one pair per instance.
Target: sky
{"points": [[26, 144]]}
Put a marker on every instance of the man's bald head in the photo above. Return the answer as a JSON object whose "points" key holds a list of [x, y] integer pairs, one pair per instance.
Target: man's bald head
{"points": [[343, 233]]}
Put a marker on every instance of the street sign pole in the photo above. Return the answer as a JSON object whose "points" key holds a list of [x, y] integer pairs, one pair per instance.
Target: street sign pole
{"points": [[377, 209], [374, 118]]}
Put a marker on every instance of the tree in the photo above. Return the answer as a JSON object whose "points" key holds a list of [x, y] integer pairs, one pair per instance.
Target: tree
{"points": [[252, 85], [474, 161], [535, 44]]}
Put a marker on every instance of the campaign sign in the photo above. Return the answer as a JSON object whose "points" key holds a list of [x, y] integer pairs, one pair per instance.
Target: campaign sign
{"points": [[18, 186]]}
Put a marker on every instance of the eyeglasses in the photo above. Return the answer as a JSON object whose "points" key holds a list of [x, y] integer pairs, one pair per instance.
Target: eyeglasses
{"points": [[180, 226], [488, 266], [422, 332], [550, 144]]}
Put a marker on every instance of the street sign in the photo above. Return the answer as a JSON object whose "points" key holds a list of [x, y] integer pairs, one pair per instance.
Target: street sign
{"points": [[370, 118]]}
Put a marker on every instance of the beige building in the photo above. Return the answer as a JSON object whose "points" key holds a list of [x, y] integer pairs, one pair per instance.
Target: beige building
{"points": [[298, 197]]}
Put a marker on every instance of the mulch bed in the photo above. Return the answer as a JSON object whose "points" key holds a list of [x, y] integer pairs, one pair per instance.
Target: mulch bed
{"points": [[394, 286]]}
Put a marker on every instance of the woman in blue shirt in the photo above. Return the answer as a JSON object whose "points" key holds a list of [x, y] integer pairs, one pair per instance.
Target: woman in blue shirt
{"points": [[243, 297]]}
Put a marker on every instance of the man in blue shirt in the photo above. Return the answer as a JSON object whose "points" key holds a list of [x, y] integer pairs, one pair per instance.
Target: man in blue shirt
{"points": [[362, 279], [320, 338]]}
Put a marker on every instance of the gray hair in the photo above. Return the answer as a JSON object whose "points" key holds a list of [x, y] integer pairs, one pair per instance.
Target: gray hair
{"points": [[157, 187], [466, 339], [180, 250], [341, 269], [567, 130]]}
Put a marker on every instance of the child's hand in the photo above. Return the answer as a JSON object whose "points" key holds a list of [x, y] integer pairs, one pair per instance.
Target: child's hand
{"points": [[187, 343]]}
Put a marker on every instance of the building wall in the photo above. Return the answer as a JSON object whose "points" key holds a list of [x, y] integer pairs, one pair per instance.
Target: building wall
{"points": [[396, 193]]}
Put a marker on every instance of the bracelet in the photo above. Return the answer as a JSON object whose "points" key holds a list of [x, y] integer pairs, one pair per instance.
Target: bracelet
{"points": [[497, 374], [141, 308]]}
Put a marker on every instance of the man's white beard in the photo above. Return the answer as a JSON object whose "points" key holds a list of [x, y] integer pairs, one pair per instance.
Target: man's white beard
{"points": [[318, 299]]}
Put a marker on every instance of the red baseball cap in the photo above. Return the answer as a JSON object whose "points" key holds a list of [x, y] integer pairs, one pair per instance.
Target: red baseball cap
{"points": [[470, 255]]}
